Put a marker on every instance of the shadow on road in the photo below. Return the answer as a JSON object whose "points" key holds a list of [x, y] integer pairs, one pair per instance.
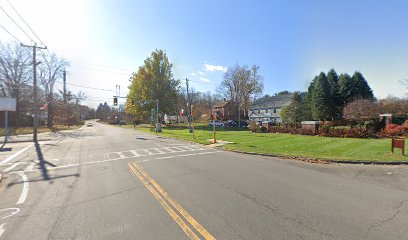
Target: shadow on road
{"points": [[42, 162]]}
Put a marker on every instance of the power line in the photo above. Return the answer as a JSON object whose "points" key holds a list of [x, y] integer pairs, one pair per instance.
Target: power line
{"points": [[16, 24], [22, 19], [10, 33], [100, 89]]}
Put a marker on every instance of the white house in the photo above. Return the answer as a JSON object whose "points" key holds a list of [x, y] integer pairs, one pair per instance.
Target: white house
{"points": [[269, 109]]}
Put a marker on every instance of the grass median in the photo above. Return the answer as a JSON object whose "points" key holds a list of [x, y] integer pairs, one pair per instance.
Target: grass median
{"points": [[324, 148]]}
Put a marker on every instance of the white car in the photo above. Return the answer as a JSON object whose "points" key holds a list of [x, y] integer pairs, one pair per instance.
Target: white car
{"points": [[89, 124]]}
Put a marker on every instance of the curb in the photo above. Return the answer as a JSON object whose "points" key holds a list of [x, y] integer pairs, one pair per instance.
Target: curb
{"points": [[317, 160], [299, 158]]}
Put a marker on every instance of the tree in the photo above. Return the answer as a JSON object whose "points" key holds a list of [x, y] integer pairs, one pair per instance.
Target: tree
{"points": [[154, 80], [15, 75], [49, 72], [333, 80], [285, 92], [355, 87], [361, 109], [362, 90], [321, 101], [241, 84], [294, 113], [346, 86]]}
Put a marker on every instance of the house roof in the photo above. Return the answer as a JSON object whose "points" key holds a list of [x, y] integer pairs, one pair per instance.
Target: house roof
{"points": [[221, 104], [274, 102]]}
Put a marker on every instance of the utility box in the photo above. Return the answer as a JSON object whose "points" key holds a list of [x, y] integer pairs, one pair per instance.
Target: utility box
{"points": [[311, 125]]}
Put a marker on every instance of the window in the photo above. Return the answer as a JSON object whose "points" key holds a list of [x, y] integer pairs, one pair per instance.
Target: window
{"points": [[266, 110], [274, 110], [259, 111]]}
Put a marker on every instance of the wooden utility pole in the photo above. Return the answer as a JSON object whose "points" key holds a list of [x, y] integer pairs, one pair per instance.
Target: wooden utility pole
{"points": [[65, 86], [35, 105], [188, 108]]}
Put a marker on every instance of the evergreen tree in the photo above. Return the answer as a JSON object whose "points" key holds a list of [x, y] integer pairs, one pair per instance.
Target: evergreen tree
{"points": [[295, 111], [346, 86], [321, 102], [361, 88], [333, 80]]}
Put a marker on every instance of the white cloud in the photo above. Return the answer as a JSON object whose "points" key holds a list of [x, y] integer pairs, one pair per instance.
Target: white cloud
{"points": [[193, 74], [201, 73], [204, 80], [212, 68]]}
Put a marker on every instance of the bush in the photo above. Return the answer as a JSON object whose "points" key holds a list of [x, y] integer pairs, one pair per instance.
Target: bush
{"points": [[394, 130], [253, 126], [374, 126], [343, 132], [261, 129], [290, 130]]}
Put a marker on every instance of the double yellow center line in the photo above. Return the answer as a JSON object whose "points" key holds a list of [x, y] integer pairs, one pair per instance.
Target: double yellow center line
{"points": [[173, 208]]}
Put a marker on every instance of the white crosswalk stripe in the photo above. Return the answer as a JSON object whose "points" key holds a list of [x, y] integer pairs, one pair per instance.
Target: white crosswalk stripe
{"points": [[30, 165], [12, 167]]}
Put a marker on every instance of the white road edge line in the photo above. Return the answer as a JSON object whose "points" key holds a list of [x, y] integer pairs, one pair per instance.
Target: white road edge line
{"points": [[8, 159], [24, 192], [2, 229]]}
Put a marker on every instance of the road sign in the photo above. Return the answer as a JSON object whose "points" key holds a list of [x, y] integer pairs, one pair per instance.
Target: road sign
{"points": [[8, 104]]}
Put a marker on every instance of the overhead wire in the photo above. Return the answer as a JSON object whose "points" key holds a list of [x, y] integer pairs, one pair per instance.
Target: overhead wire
{"points": [[24, 21], [10, 33], [100, 89], [4, 11]]}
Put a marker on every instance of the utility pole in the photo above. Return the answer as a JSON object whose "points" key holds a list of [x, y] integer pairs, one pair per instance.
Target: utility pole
{"points": [[188, 108], [65, 86], [35, 105], [239, 107]]}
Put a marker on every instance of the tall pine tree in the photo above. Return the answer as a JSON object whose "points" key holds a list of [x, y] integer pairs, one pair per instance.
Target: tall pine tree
{"points": [[362, 89], [333, 80], [346, 88], [321, 102]]}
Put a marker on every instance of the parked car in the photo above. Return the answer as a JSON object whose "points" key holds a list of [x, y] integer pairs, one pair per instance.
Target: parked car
{"points": [[244, 124], [89, 124], [230, 123], [234, 123], [217, 123]]}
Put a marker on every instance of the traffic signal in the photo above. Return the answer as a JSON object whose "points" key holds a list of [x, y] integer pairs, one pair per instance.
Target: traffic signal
{"points": [[115, 101]]}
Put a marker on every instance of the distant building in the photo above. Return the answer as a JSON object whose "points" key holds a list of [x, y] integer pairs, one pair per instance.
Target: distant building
{"points": [[225, 110], [269, 109]]}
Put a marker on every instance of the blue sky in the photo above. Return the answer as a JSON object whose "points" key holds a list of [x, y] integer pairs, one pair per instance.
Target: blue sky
{"points": [[291, 41]]}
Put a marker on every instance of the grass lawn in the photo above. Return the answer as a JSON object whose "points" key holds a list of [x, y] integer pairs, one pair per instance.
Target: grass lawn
{"points": [[349, 149], [29, 130]]}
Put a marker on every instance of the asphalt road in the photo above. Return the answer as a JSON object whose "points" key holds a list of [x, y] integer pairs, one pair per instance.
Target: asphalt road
{"points": [[105, 182]]}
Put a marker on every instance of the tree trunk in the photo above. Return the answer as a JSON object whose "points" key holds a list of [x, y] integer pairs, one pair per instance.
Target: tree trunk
{"points": [[50, 112]]}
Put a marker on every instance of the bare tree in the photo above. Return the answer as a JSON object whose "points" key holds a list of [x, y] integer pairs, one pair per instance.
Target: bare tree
{"points": [[361, 109], [15, 73], [241, 84], [49, 72]]}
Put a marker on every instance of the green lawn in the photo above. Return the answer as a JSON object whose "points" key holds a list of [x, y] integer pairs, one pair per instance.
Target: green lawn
{"points": [[350, 149]]}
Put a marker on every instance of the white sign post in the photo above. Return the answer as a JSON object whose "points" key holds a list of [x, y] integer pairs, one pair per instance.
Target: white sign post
{"points": [[7, 104]]}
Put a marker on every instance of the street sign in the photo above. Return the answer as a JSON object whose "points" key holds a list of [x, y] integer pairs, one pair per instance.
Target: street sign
{"points": [[8, 104]]}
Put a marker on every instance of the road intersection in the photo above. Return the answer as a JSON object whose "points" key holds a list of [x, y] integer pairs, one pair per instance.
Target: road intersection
{"points": [[104, 182]]}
